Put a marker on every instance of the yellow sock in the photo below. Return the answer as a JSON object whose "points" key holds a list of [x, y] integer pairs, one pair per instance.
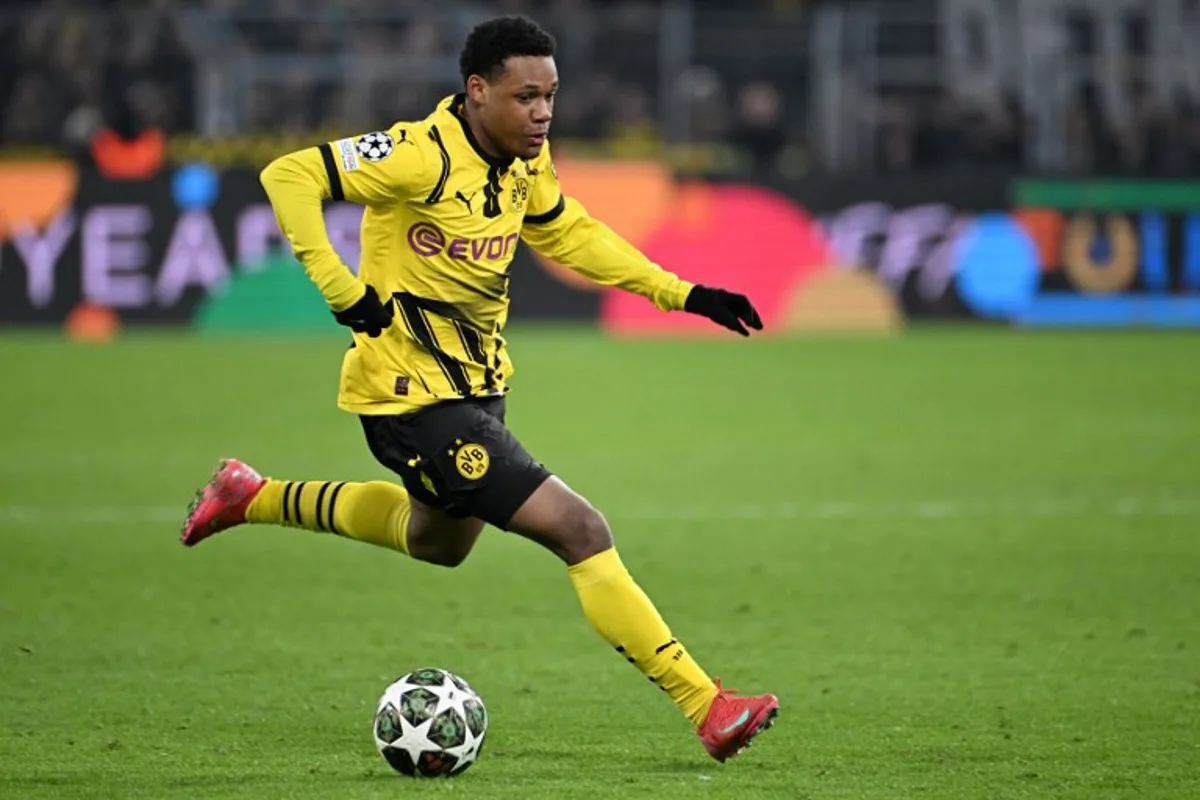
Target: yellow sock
{"points": [[376, 512], [622, 613]]}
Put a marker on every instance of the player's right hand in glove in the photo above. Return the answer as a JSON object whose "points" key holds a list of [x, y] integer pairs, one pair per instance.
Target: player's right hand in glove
{"points": [[724, 308], [368, 315]]}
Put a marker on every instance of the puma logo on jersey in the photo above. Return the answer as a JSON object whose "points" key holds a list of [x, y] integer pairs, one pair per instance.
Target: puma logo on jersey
{"points": [[466, 201]]}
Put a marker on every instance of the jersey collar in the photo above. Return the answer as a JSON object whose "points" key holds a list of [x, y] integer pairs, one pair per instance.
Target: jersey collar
{"points": [[455, 107]]}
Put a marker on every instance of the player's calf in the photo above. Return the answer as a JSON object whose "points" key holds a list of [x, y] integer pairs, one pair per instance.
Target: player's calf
{"points": [[439, 554], [375, 512], [567, 525], [437, 538]]}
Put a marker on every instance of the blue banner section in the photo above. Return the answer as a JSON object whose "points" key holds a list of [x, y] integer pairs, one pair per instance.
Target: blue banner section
{"points": [[1063, 309], [1031, 252]]}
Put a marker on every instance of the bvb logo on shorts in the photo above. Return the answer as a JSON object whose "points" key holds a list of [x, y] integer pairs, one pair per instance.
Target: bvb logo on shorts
{"points": [[472, 461]]}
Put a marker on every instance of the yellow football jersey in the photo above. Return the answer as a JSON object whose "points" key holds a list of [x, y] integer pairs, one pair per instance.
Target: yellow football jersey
{"points": [[442, 220]]}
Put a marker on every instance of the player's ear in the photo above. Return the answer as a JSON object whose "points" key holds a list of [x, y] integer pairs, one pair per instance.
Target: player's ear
{"points": [[477, 88]]}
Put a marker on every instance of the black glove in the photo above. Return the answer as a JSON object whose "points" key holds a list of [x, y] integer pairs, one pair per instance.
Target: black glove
{"points": [[368, 315], [724, 308]]}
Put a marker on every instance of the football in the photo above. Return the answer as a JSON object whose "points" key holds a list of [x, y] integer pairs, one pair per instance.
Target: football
{"points": [[430, 723]]}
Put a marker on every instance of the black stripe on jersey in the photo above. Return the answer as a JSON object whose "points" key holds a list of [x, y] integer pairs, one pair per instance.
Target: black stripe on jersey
{"points": [[470, 336], [473, 343], [442, 308], [497, 345], [418, 326], [491, 193], [335, 180], [451, 366], [436, 194], [549, 216]]}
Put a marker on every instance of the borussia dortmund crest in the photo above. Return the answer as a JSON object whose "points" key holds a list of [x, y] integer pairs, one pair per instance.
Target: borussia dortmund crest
{"points": [[472, 461]]}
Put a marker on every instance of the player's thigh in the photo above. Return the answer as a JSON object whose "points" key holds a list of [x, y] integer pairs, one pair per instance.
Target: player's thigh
{"points": [[464, 461], [433, 533], [389, 440]]}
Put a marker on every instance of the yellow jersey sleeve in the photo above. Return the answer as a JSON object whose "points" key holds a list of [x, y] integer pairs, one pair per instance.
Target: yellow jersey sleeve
{"points": [[374, 169], [384, 167], [560, 228]]}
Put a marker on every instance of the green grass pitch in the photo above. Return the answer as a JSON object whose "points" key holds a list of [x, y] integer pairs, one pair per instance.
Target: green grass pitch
{"points": [[967, 561]]}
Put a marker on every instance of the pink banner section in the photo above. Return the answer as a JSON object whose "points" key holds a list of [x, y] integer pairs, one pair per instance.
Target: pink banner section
{"points": [[755, 241]]}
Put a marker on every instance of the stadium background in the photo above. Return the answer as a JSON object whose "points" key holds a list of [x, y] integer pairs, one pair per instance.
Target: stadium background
{"points": [[894, 161], [945, 506]]}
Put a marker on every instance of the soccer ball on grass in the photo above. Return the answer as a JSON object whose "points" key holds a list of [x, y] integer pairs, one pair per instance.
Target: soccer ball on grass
{"points": [[430, 723]]}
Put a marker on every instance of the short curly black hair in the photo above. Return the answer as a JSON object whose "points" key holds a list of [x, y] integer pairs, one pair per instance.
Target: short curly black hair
{"points": [[492, 42]]}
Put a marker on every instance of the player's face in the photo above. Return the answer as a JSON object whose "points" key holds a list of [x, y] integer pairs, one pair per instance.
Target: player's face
{"points": [[516, 108]]}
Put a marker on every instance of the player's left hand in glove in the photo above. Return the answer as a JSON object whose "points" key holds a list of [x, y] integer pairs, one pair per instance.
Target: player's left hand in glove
{"points": [[368, 315], [724, 308]]}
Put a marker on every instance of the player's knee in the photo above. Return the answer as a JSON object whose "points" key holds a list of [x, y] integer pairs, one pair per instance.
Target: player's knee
{"points": [[587, 534]]}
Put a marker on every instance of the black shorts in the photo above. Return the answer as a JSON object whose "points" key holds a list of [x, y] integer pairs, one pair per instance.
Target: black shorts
{"points": [[459, 457]]}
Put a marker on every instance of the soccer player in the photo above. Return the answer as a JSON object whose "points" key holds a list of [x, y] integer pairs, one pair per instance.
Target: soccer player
{"points": [[446, 199]]}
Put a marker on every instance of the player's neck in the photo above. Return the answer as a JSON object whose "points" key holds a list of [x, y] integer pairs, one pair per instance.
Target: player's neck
{"points": [[478, 136]]}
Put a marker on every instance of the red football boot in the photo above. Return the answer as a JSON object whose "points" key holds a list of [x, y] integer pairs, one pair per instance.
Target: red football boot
{"points": [[222, 502], [733, 721]]}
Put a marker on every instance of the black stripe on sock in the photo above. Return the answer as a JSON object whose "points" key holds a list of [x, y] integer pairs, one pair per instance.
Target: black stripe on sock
{"points": [[329, 507], [658, 650], [320, 500], [628, 657], [299, 491], [333, 505], [335, 180], [287, 494]]}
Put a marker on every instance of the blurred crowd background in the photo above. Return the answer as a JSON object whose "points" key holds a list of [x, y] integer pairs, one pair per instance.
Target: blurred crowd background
{"points": [[780, 86]]}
